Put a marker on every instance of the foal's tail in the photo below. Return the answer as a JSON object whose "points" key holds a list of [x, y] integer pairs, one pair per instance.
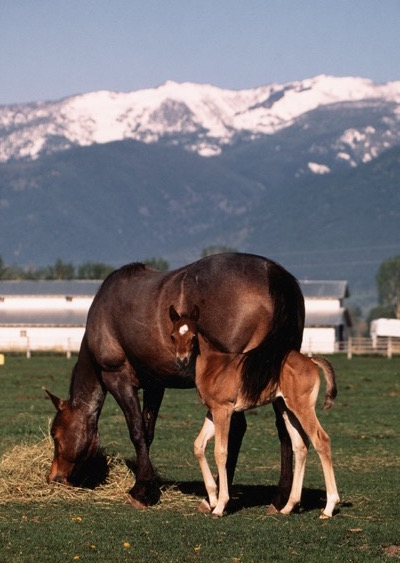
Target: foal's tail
{"points": [[262, 365], [330, 380]]}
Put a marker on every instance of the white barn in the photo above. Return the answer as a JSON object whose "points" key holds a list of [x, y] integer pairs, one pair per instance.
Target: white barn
{"points": [[328, 322], [51, 315], [44, 315], [388, 328]]}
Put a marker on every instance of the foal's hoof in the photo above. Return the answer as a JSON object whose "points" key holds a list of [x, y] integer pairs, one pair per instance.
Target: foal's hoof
{"points": [[204, 507], [324, 516], [272, 510]]}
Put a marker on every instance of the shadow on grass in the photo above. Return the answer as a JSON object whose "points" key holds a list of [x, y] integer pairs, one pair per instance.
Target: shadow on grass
{"points": [[253, 496], [95, 472]]}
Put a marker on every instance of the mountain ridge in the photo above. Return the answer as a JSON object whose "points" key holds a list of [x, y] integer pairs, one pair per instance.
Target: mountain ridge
{"points": [[320, 194], [201, 118]]}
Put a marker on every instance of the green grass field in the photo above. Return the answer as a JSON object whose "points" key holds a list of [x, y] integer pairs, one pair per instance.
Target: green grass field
{"points": [[363, 425]]}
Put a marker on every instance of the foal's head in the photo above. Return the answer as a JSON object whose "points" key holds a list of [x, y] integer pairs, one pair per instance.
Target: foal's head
{"points": [[184, 335]]}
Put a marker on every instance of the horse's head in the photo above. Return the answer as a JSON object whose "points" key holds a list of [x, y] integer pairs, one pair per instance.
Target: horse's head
{"points": [[184, 335], [76, 440]]}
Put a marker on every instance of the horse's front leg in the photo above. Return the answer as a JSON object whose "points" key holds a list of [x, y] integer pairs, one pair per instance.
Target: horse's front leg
{"points": [[152, 399], [146, 490], [286, 477]]}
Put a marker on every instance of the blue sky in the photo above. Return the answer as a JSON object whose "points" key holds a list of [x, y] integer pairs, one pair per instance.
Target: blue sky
{"points": [[50, 49]]}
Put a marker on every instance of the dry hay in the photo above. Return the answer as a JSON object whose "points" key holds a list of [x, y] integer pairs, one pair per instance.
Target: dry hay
{"points": [[24, 469]]}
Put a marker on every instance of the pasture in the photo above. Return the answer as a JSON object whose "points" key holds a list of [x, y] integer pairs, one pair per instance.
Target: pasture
{"points": [[39, 522]]}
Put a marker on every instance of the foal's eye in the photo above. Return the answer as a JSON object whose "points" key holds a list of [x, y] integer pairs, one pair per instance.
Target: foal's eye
{"points": [[172, 338]]}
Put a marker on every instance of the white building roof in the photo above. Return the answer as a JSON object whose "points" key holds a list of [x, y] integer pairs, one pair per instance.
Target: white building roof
{"points": [[324, 289], [71, 316], [49, 288], [327, 318]]}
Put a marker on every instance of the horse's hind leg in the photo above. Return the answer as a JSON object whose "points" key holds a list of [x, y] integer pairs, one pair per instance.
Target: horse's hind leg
{"points": [[237, 431], [300, 444], [152, 399], [286, 477]]}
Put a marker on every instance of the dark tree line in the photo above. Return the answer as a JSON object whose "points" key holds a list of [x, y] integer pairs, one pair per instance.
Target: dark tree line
{"points": [[67, 271], [61, 270]]}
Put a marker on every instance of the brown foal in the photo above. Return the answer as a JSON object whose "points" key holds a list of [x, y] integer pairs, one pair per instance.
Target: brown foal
{"points": [[222, 389]]}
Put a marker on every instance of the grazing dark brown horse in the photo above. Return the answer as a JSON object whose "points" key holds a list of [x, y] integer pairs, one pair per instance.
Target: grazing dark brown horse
{"points": [[223, 390], [249, 304]]}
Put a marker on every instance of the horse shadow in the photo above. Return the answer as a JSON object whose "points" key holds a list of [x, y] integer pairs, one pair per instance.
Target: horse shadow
{"points": [[93, 473], [96, 471], [245, 496]]}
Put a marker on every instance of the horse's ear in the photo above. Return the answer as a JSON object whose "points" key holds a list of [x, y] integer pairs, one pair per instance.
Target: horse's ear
{"points": [[173, 314], [195, 314], [58, 403]]}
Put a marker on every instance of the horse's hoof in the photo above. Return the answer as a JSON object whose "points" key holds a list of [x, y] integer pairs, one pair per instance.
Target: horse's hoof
{"points": [[146, 493], [135, 503], [204, 507]]}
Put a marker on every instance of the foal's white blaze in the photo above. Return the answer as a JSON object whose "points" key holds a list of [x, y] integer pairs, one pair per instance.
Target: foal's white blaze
{"points": [[183, 329]]}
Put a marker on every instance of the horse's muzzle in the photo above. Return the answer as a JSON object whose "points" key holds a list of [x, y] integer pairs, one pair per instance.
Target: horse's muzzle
{"points": [[57, 478]]}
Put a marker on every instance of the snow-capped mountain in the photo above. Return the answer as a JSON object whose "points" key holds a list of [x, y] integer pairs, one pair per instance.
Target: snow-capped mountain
{"points": [[306, 173], [201, 118]]}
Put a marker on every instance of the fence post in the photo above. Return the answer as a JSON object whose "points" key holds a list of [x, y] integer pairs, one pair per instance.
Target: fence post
{"points": [[389, 347], [349, 348], [68, 348], [28, 347]]}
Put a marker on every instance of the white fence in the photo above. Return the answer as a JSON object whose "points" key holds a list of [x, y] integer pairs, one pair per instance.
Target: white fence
{"points": [[383, 346], [51, 339], [355, 346]]}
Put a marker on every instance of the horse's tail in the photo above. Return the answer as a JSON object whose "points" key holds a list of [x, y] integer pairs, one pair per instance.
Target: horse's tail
{"points": [[262, 365], [330, 380]]}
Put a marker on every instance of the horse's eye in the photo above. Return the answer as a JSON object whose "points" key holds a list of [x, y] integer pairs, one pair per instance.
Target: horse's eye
{"points": [[172, 338]]}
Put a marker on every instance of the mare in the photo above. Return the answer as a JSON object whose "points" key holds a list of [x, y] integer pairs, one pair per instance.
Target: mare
{"points": [[249, 304], [224, 391]]}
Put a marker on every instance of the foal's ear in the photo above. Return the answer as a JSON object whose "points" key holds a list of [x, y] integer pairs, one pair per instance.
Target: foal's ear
{"points": [[173, 314], [58, 403], [195, 314]]}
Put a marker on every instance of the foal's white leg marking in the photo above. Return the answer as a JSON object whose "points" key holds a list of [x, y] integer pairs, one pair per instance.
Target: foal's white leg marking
{"points": [[322, 444], [200, 444], [222, 419], [300, 448]]}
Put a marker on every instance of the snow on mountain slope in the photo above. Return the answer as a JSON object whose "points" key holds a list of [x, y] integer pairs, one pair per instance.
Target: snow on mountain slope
{"points": [[201, 118]]}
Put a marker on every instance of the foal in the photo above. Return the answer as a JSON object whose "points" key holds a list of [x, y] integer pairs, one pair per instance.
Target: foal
{"points": [[221, 389]]}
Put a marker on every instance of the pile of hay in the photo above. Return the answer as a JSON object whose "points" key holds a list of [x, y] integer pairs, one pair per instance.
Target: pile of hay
{"points": [[24, 469]]}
